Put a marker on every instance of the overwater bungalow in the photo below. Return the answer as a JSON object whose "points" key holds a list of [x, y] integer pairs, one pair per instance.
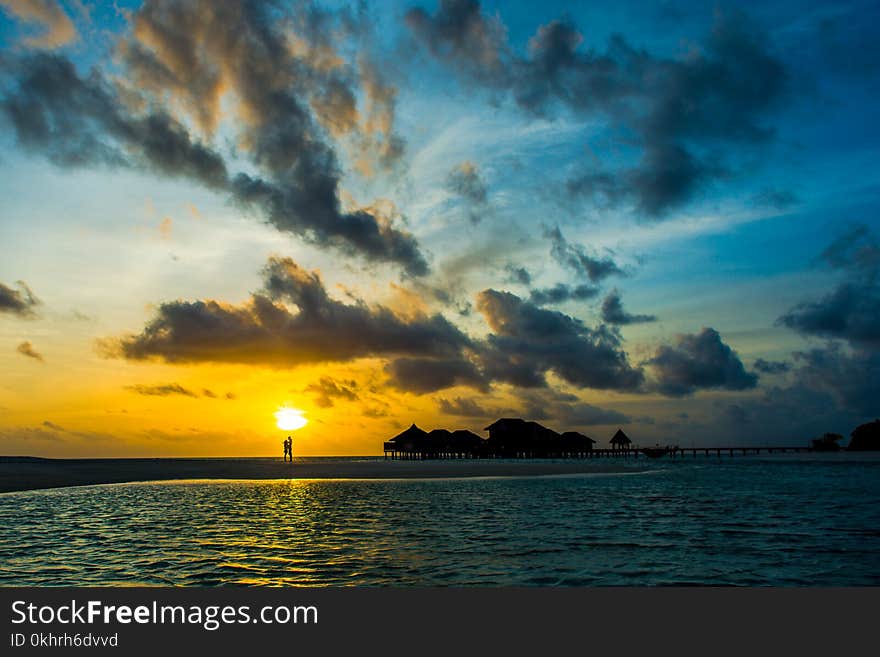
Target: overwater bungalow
{"points": [[414, 443], [467, 441], [506, 428], [509, 437], [517, 438], [439, 437], [438, 442], [574, 442], [408, 441]]}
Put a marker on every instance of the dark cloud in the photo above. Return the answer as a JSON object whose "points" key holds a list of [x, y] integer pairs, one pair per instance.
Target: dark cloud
{"points": [[778, 199], [582, 414], [327, 389], [563, 409], [465, 180], [301, 210], [210, 394], [27, 349], [835, 386], [464, 407], [852, 378], [560, 293], [458, 32], [184, 56], [27, 434], [19, 302], [851, 311], [779, 415], [575, 258], [243, 47], [676, 109], [771, 366], [528, 341], [554, 73], [264, 331], [603, 189], [518, 275], [856, 251], [80, 121], [699, 361], [567, 411], [425, 353], [52, 426], [668, 175], [614, 313], [423, 375], [162, 390]]}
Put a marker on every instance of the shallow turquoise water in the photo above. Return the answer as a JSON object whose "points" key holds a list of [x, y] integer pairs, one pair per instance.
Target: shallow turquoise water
{"points": [[791, 520]]}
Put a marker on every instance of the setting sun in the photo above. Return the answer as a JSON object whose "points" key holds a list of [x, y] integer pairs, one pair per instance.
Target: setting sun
{"points": [[290, 419]]}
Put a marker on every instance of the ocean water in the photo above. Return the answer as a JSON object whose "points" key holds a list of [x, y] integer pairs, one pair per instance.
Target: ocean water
{"points": [[811, 520]]}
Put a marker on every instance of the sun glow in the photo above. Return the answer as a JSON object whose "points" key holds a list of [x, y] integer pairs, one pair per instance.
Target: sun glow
{"points": [[290, 419]]}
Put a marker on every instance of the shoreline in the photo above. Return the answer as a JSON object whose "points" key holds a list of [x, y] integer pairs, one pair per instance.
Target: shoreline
{"points": [[30, 473], [22, 473]]}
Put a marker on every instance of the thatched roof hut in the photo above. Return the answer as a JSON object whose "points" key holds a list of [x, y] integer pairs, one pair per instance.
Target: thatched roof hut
{"points": [[439, 439], [515, 425], [514, 430], [577, 436], [464, 439], [506, 424], [620, 440], [412, 436], [540, 432], [577, 440], [515, 436]]}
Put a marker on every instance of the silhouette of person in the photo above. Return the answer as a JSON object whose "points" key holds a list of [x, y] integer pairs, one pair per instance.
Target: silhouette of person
{"points": [[288, 449]]}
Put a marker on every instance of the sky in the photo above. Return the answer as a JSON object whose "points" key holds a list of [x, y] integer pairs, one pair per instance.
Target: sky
{"points": [[661, 216]]}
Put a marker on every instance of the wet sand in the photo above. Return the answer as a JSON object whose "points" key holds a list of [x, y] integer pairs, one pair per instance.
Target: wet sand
{"points": [[26, 473]]}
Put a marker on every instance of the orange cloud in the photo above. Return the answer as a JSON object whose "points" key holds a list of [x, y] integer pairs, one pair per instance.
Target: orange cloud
{"points": [[27, 349], [57, 28]]}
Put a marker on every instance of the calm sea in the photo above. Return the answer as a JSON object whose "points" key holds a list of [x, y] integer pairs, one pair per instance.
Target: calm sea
{"points": [[810, 520]]}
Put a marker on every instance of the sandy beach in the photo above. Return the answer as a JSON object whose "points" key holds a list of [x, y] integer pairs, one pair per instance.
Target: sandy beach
{"points": [[26, 473]]}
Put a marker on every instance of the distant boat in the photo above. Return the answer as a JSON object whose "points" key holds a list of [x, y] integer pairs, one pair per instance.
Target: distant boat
{"points": [[657, 451]]}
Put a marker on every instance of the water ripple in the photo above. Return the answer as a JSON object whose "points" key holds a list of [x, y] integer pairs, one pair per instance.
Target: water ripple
{"points": [[745, 522]]}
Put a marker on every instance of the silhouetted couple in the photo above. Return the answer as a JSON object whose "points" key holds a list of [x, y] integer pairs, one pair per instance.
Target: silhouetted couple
{"points": [[288, 448]]}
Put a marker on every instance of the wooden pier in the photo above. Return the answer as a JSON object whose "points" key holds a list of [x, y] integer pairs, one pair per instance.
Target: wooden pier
{"points": [[733, 451], [417, 453]]}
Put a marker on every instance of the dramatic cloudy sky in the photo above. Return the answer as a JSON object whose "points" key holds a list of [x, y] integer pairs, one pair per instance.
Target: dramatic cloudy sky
{"points": [[655, 215]]}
